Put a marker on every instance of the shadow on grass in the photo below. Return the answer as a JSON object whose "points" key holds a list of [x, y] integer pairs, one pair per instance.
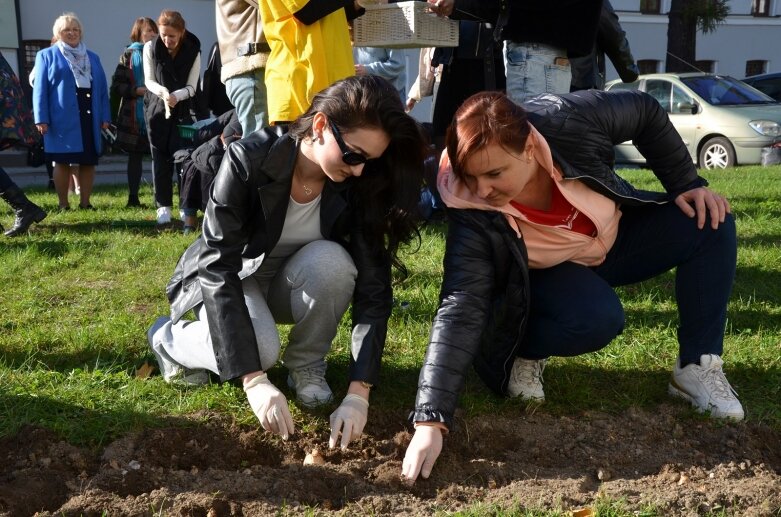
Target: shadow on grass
{"points": [[74, 423]]}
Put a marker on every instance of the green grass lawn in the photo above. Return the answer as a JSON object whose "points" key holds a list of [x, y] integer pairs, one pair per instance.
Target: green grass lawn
{"points": [[81, 290]]}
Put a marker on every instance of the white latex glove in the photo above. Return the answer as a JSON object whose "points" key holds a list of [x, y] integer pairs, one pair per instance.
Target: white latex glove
{"points": [[422, 452], [270, 406], [349, 419]]}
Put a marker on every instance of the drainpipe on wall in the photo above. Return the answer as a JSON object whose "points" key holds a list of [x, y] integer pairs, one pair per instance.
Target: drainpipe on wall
{"points": [[19, 49]]}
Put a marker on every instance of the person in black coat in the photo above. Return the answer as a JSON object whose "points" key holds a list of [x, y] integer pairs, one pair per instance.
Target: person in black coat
{"points": [[172, 65], [300, 223], [198, 165], [541, 231], [589, 71]]}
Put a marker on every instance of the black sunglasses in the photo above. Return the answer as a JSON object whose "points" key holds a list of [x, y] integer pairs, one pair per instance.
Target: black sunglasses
{"points": [[349, 156]]}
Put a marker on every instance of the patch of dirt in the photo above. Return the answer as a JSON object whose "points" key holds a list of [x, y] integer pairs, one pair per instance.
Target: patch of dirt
{"points": [[665, 458]]}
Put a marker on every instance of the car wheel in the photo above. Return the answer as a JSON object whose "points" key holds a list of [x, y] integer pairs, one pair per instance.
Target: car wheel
{"points": [[717, 153]]}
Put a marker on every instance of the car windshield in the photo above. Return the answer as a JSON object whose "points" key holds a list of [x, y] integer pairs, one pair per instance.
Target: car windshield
{"points": [[721, 90]]}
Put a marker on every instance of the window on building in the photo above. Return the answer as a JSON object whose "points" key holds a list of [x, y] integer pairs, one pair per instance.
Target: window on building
{"points": [[651, 6], [760, 7], [648, 66], [755, 67], [706, 65], [30, 48]]}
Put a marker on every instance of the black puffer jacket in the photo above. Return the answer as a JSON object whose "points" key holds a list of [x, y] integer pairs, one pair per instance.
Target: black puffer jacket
{"points": [[484, 299], [243, 221]]}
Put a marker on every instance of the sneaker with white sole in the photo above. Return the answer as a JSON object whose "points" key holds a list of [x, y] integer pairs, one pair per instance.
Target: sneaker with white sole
{"points": [[164, 215], [706, 387], [170, 369], [310, 386], [526, 379]]}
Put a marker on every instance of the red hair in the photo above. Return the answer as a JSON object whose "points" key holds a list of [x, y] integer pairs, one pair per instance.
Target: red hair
{"points": [[483, 119], [171, 19]]}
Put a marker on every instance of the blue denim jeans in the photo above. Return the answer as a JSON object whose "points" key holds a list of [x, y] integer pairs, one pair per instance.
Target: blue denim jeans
{"points": [[575, 310], [531, 70], [247, 93]]}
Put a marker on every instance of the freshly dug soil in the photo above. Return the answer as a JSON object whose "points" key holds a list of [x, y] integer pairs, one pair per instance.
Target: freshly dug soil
{"points": [[678, 464]]}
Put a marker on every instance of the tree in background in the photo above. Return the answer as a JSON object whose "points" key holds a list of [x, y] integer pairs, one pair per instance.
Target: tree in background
{"points": [[686, 17]]}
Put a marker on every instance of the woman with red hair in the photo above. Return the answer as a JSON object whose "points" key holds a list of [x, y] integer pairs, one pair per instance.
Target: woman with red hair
{"points": [[172, 65], [541, 231]]}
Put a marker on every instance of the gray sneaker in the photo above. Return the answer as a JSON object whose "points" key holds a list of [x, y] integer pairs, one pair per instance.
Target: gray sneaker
{"points": [[310, 386], [170, 369], [526, 379], [706, 387]]}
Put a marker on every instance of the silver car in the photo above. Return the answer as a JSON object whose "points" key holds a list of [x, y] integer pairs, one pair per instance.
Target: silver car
{"points": [[723, 121]]}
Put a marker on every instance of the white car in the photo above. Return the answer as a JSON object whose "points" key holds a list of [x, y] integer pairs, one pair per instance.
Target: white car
{"points": [[723, 121]]}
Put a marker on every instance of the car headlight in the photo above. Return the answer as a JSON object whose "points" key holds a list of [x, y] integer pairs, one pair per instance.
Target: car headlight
{"points": [[766, 127]]}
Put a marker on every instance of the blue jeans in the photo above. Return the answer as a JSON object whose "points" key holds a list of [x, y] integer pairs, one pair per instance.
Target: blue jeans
{"points": [[531, 69], [574, 309], [247, 93]]}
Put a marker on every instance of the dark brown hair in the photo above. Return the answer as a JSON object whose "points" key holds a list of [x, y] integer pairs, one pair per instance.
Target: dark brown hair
{"points": [[138, 28], [388, 191], [483, 119]]}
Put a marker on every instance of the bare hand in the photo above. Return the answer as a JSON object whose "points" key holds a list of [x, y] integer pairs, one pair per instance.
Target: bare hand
{"points": [[105, 125], [410, 104], [441, 7], [701, 201], [172, 100], [360, 70], [42, 128]]}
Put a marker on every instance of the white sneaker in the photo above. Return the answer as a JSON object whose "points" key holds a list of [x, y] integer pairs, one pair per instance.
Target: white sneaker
{"points": [[170, 369], [706, 387], [526, 379], [164, 215], [310, 386]]}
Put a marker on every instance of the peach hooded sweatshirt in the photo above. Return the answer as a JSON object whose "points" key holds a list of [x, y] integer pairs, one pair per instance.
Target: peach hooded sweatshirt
{"points": [[547, 246]]}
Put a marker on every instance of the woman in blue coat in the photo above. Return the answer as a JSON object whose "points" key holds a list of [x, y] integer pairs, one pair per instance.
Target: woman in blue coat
{"points": [[71, 106]]}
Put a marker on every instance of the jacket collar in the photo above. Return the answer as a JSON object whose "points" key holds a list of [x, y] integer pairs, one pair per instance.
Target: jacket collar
{"points": [[275, 195]]}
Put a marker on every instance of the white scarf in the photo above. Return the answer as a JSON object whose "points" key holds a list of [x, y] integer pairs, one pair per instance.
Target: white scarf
{"points": [[78, 60]]}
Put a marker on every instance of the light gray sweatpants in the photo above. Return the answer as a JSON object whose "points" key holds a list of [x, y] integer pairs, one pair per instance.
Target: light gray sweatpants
{"points": [[311, 291]]}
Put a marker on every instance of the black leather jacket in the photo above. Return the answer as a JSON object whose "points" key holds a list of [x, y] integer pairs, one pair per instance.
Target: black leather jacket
{"points": [[243, 221], [484, 298]]}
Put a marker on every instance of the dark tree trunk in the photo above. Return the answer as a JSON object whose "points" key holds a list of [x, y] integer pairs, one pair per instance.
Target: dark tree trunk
{"points": [[681, 39]]}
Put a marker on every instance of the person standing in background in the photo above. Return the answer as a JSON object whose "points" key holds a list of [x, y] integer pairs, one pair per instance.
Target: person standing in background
{"points": [[310, 49], [244, 53], [16, 130], [128, 84], [172, 65], [71, 106], [387, 63], [588, 72], [540, 37]]}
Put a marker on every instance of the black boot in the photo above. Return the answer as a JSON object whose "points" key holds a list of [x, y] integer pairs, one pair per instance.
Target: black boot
{"points": [[27, 212]]}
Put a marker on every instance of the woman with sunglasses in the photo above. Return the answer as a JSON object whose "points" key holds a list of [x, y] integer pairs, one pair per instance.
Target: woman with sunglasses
{"points": [[299, 225]]}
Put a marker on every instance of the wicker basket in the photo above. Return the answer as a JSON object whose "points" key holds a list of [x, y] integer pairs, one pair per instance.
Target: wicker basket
{"points": [[403, 25]]}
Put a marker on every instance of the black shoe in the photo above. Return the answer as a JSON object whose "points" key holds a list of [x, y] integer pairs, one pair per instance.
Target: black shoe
{"points": [[27, 212], [134, 202], [86, 207]]}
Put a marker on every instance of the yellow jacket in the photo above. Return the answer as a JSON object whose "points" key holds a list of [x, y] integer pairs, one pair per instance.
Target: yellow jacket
{"points": [[304, 59]]}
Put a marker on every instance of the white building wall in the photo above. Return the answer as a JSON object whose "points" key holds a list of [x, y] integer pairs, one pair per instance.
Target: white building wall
{"points": [[742, 37]]}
